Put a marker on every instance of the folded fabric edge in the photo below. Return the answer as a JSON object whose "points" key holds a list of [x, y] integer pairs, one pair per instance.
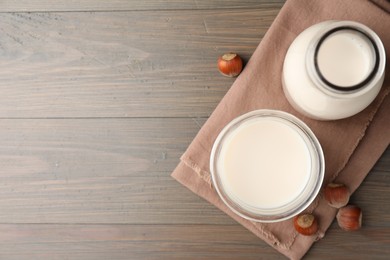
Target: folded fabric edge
{"points": [[377, 104], [358, 160], [373, 116], [319, 202], [382, 4], [205, 175], [327, 214], [191, 180]]}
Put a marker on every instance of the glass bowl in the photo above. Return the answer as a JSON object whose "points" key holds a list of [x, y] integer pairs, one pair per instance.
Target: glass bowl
{"points": [[267, 165]]}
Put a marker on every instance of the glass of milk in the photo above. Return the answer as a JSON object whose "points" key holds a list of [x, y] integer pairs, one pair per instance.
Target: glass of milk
{"points": [[334, 69], [267, 166]]}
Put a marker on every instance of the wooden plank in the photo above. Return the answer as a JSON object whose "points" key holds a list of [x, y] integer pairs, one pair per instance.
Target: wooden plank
{"points": [[117, 171], [173, 242], [129, 242], [367, 243], [127, 5], [97, 171], [121, 64], [83, 185], [139, 145]]}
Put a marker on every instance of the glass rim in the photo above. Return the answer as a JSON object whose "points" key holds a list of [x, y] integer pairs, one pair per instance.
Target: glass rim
{"points": [[351, 91], [299, 203]]}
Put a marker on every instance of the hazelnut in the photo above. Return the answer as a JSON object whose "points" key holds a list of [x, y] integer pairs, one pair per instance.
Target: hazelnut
{"points": [[306, 224], [230, 64], [349, 218], [337, 195]]}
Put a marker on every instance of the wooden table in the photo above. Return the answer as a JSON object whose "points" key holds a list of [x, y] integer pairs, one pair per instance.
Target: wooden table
{"points": [[98, 101]]}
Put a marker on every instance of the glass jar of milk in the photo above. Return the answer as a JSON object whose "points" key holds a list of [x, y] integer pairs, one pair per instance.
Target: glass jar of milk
{"points": [[267, 166], [333, 69]]}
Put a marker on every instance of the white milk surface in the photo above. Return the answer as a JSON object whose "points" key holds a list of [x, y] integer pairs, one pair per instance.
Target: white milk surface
{"points": [[264, 163], [345, 58]]}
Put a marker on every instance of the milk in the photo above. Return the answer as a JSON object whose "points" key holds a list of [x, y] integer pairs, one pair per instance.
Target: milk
{"points": [[345, 58], [264, 163], [333, 70]]}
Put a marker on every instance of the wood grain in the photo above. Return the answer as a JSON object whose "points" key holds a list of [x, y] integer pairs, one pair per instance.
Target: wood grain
{"points": [[129, 242], [98, 101], [26, 241], [121, 64], [116, 171], [97, 171], [128, 5]]}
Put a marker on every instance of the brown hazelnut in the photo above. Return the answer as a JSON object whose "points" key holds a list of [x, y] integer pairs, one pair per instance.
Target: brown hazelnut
{"points": [[349, 218], [336, 194], [306, 224], [230, 64]]}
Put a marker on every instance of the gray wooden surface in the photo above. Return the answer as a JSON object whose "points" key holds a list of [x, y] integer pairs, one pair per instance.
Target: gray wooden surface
{"points": [[98, 101]]}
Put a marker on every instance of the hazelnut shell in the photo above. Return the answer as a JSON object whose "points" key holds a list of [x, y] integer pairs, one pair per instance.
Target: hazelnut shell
{"points": [[337, 195], [349, 218], [306, 224], [230, 64]]}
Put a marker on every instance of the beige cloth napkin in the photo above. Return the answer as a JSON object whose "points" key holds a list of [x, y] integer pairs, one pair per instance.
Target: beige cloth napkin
{"points": [[351, 146]]}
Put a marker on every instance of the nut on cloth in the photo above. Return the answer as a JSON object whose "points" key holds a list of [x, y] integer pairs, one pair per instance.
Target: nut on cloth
{"points": [[351, 146]]}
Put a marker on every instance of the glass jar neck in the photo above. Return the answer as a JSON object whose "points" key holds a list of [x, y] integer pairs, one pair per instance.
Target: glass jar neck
{"points": [[328, 64]]}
